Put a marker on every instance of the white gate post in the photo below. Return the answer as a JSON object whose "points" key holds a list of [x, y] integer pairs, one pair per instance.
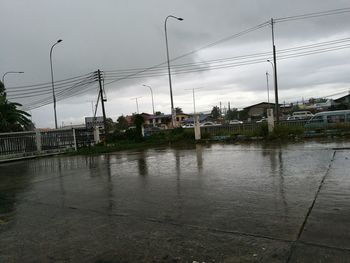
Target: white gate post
{"points": [[38, 140], [96, 135], [197, 128], [270, 120], [74, 140]]}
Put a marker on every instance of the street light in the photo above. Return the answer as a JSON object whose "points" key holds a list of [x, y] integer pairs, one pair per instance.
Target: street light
{"points": [[137, 103], [52, 83], [10, 72], [151, 95], [167, 53], [194, 99]]}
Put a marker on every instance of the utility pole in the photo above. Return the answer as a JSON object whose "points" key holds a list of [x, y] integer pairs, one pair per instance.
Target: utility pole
{"points": [[267, 85], [102, 101], [275, 72]]}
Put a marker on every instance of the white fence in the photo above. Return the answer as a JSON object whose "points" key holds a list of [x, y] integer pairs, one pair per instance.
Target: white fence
{"points": [[23, 144]]}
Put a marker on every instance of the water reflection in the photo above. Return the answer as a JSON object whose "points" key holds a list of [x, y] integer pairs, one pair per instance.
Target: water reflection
{"points": [[109, 186], [13, 182], [142, 163], [199, 155], [278, 173], [61, 181]]}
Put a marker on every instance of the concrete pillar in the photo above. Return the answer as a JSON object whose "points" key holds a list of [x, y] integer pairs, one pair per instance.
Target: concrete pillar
{"points": [[38, 140], [270, 120], [97, 135], [197, 128]]}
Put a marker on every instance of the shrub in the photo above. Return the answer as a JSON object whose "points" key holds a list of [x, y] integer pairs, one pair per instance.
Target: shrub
{"points": [[284, 132]]}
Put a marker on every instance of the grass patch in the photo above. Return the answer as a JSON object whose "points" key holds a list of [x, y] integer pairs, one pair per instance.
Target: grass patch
{"points": [[119, 142]]}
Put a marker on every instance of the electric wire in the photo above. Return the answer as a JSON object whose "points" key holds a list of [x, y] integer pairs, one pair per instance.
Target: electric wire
{"points": [[48, 84], [313, 15], [230, 65], [244, 32]]}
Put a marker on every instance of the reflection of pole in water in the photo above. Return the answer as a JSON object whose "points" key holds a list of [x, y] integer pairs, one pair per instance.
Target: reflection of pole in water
{"points": [[109, 187], [61, 177], [178, 201], [199, 154], [142, 164], [281, 175], [278, 169]]}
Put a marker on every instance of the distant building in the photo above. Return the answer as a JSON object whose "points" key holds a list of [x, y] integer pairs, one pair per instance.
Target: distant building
{"points": [[259, 110], [202, 118], [181, 118], [345, 100], [163, 120]]}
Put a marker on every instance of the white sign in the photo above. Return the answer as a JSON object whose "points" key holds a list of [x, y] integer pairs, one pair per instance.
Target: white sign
{"points": [[91, 122]]}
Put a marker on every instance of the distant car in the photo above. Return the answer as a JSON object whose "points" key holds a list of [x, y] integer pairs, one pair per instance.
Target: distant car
{"points": [[208, 123], [292, 118], [262, 120], [188, 125], [302, 115], [235, 122], [328, 119]]}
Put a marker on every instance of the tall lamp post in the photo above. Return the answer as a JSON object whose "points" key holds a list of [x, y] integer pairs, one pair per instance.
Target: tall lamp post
{"points": [[151, 95], [167, 53], [10, 72], [137, 103], [52, 83]]}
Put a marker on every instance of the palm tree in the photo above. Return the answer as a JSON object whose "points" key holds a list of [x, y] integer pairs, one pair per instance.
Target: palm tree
{"points": [[11, 118]]}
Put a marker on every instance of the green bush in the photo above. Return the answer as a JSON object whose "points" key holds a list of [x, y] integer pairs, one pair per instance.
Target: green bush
{"points": [[263, 130], [285, 132], [180, 134]]}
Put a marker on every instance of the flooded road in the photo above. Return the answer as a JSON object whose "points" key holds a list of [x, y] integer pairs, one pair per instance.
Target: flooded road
{"points": [[204, 203]]}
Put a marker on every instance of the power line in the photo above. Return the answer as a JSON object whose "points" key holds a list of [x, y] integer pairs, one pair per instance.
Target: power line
{"points": [[48, 84], [196, 50], [83, 86], [313, 15], [243, 60]]}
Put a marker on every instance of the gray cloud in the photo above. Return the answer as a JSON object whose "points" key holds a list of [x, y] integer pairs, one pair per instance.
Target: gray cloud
{"points": [[114, 35]]}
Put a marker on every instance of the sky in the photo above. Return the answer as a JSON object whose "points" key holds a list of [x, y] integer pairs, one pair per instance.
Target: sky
{"points": [[121, 37]]}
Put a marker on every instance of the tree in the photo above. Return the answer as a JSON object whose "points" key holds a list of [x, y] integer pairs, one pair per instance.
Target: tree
{"points": [[178, 110], [110, 125], [11, 118], [215, 112], [122, 123], [138, 121], [2, 90], [157, 113]]}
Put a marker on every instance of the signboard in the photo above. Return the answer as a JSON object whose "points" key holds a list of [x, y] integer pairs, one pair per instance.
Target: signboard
{"points": [[91, 122]]}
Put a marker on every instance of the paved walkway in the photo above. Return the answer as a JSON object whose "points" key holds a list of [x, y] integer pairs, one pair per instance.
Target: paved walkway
{"points": [[212, 204]]}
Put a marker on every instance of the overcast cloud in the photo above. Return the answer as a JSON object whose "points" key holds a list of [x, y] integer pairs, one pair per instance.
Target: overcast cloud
{"points": [[116, 35]]}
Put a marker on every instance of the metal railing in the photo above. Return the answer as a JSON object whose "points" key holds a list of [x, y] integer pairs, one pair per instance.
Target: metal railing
{"points": [[22, 144], [230, 129], [17, 143], [216, 130]]}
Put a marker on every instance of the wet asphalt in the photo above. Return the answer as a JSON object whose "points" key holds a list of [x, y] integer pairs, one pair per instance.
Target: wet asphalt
{"points": [[203, 203]]}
